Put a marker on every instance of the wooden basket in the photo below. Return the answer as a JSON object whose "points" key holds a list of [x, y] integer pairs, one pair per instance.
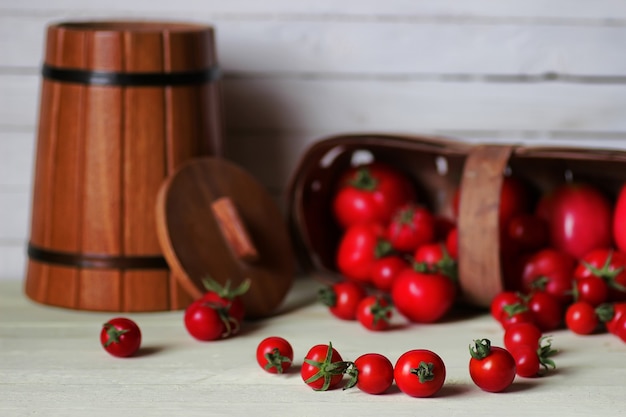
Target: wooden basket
{"points": [[122, 105], [543, 168], [435, 165]]}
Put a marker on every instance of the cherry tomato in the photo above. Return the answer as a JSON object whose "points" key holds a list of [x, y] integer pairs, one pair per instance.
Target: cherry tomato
{"points": [[370, 193], [501, 300], [120, 337], [620, 329], [522, 334], [274, 354], [491, 368], [581, 318], [514, 199], [532, 361], [580, 219], [515, 313], [206, 321], [410, 227], [528, 232], [385, 270], [434, 257], [323, 368], [547, 311], [619, 220], [374, 313], [358, 250], [452, 243], [227, 297], [610, 314], [420, 373], [550, 271], [371, 373], [342, 299], [423, 297], [592, 290], [608, 264]]}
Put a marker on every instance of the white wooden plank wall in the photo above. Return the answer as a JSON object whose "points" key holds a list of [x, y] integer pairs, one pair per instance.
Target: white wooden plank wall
{"points": [[530, 71]]}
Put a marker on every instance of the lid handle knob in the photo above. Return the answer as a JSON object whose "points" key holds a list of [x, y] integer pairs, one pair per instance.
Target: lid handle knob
{"points": [[233, 229]]}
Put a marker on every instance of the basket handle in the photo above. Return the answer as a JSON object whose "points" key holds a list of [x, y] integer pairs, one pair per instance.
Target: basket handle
{"points": [[480, 275], [233, 229]]}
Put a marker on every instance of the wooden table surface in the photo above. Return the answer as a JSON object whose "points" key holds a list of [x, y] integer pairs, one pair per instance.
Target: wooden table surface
{"points": [[51, 364]]}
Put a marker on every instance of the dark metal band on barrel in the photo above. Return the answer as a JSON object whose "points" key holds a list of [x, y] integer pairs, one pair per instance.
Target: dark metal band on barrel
{"points": [[95, 261], [130, 79]]}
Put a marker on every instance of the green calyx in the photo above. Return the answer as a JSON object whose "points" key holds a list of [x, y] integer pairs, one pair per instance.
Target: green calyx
{"points": [[515, 308], [364, 180], [446, 266], [605, 312], [540, 283], [380, 311], [607, 272], [481, 349], [231, 325], [383, 248], [275, 360], [544, 352], [225, 291], [327, 296], [424, 372], [113, 334], [327, 369]]}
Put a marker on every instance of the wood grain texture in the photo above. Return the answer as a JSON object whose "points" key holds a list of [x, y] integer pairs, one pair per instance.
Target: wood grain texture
{"points": [[102, 156]]}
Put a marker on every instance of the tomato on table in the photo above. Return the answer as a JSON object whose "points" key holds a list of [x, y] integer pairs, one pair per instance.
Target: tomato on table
{"points": [[206, 321], [274, 354], [323, 367], [420, 373], [522, 334], [385, 271], [370, 193], [610, 266], [581, 318], [371, 373], [434, 257], [423, 297], [342, 298], [374, 313], [492, 368], [226, 296], [534, 360], [120, 337]]}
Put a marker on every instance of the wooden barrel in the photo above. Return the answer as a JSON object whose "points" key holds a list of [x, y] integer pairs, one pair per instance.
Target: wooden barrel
{"points": [[122, 105]]}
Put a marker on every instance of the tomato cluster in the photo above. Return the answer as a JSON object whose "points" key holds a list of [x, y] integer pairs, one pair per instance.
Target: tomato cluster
{"points": [[564, 258], [393, 245]]}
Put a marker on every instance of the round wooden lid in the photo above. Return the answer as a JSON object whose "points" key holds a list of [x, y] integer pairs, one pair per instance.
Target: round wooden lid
{"points": [[215, 220]]}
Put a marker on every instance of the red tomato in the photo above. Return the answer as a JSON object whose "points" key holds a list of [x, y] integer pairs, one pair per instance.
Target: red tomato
{"points": [[120, 337], [434, 257], [619, 220], [580, 219], [610, 314], [385, 270], [620, 329], [423, 297], [514, 199], [516, 313], [547, 311], [419, 373], [491, 368], [323, 367], [359, 248], [528, 232], [592, 290], [452, 243], [532, 361], [227, 297], [581, 318], [342, 299], [410, 227], [610, 266], [371, 373], [370, 193], [550, 271], [274, 354], [522, 334], [501, 300], [209, 321], [374, 313]]}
